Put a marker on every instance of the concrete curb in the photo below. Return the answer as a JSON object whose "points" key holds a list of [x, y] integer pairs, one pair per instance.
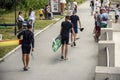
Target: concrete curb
{"points": [[116, 30], [3, 58]]}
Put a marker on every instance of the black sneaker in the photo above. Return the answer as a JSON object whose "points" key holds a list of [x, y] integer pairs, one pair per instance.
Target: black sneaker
{"points": [[62, 57], [25, 69], [74, 44]]}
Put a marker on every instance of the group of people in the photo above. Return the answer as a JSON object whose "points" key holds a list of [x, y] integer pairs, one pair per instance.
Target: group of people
{"points": [[21, 21], [46, 12], [69, 25], [101, 16], [96, 4]]}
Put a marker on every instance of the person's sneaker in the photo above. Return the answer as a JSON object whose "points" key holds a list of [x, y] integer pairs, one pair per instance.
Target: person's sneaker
{"points": [[71, 45], [77, 38], [25, 69], [66, 59], [74, 44], [62, 57]]}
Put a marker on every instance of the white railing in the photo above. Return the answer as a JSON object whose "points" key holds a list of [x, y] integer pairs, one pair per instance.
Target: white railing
{"points": [[107, 57], [107, 36], [106, 69]]}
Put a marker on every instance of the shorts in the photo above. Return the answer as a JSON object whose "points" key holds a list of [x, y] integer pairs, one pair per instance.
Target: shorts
{"points": [[98, 29], [64, 40], [26, 49], [41, 15], [49, 14], [75, 30], [103, 25], [92, 8], [95, 23], [116, 17]]}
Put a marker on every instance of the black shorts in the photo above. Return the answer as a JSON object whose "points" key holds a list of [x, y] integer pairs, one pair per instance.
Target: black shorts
{"points": [[26, 49], [65, 40], [116, 17], [41, 15]]}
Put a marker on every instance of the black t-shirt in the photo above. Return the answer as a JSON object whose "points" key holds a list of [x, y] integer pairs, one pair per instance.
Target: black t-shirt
{"points": [[92, 3], [28, 37], [74, 19], [66, 27], [101, 1]]}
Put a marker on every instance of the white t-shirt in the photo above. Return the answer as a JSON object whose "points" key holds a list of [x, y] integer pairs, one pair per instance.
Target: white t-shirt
{"points": [[32, 16], [20, 18], [74, 3], [62, 1], [104, 16], [117, 11], [97, 4]]}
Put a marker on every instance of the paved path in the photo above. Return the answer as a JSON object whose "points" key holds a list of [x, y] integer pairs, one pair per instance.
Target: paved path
{"points": [[46, 65]]}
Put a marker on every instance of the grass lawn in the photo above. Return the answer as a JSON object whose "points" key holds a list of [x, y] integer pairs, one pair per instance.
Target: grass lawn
{"points": [[8, 34]]}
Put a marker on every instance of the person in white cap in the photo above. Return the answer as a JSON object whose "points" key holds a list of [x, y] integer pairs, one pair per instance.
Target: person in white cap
{"points": [[75, 6]]}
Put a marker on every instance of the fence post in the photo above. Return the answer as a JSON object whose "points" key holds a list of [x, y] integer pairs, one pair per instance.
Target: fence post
{"points": [[102, 53], [109, 31], [0, 36]]}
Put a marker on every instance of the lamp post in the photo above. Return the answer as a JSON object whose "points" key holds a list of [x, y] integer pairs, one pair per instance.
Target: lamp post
{"points": [[15, 30]]}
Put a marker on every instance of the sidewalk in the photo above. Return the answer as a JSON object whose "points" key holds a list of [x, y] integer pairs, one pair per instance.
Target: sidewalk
{"points": [[46, 65]]}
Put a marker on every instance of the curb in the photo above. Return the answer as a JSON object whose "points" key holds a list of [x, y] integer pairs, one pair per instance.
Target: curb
{"points": [[3, 58]]}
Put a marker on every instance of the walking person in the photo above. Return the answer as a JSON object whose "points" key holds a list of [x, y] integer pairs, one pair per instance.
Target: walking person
{"points": [[66, 26], [32, 18], [27, 44], [63, 3], [97, 4], [92, 6], [117, 13], [75, 6], [97, 31], [74, 20], [101, 1]]}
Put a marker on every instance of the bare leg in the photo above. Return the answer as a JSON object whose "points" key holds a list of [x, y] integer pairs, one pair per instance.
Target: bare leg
{"points": [[62, 8], [75, 39], [24, 59], [27, 60], [62, 51], [72, 36], [97, 35], [66, 51]]}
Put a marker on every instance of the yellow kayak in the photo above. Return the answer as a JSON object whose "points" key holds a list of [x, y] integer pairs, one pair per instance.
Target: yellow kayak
{"points": [[4, 43]]}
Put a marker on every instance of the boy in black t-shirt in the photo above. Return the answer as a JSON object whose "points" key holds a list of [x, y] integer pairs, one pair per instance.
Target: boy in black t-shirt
{"points": [[74, 20], [66, 26], [28, 40]]}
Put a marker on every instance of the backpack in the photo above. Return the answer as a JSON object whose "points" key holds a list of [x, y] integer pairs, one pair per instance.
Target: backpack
{"points": [[104, 17]]}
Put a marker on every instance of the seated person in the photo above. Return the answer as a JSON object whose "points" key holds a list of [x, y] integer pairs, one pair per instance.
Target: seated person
{"points": [[48, 13], [20, 20], [41, 14]]}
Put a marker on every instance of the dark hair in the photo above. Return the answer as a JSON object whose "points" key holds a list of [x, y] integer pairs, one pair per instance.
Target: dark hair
{"points": [[31, 9], [29, 26], [117, 5], [19, 13], [67, 17]]}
